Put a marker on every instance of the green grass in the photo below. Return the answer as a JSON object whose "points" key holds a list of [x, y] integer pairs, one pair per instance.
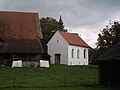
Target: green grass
{"points": [[61, 88], [57, 76]]}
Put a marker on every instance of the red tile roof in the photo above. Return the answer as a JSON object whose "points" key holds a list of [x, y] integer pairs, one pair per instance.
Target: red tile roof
{"points": [[19, 25], [20, 31], [73, 39]]}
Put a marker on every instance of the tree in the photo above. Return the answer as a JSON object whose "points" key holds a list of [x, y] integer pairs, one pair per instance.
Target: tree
{"points": [[116, 32], [49, 27], [109, 36]]}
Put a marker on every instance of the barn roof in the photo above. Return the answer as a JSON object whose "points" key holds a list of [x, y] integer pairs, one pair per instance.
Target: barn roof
{"points": [[112, 54], [74, 39], [20, 32]]}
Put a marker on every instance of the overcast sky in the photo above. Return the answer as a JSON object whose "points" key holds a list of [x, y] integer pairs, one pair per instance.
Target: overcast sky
{"points": [[85, 17]]}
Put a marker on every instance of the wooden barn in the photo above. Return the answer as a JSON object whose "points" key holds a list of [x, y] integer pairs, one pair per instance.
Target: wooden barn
{"points": [[109, 67], [20, 35]]}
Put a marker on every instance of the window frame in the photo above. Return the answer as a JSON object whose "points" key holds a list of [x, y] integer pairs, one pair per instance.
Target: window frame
{"points": [[78, 54], [85, 54], [72, 53]]}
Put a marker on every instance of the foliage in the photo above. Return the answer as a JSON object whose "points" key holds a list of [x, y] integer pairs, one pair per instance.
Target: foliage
{"points": [[49, 27], [109, 36]]}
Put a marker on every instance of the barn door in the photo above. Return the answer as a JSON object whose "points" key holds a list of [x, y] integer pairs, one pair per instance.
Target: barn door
{"points": [[57, 58]]}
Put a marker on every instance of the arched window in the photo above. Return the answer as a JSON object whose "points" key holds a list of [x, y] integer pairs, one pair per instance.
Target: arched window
{"points": [[72, 53], [78, 53], [85, 52]]}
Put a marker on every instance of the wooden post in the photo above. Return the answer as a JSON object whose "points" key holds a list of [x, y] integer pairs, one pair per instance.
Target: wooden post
{"points": [[27, 60], [13, 56], [14, 76]]}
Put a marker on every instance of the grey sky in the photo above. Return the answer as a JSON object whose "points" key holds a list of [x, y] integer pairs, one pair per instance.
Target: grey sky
{"points": [[85, 17]]}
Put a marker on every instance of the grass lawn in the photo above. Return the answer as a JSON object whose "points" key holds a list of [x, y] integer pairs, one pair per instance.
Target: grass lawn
{"points": [[60, 88], [56, 77]]}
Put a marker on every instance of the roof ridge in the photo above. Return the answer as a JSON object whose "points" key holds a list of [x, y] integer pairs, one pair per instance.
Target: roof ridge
{"points": [[28, 12]]}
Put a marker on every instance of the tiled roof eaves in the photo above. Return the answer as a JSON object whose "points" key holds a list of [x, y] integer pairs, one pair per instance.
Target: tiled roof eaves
{"points": [[79, 45]]}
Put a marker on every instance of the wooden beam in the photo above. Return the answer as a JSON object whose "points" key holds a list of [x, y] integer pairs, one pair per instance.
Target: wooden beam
{"points": [[13, 56]]}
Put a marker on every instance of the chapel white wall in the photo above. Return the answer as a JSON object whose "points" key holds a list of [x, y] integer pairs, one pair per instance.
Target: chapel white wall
{"points": [[77, 61], [58, 45]]}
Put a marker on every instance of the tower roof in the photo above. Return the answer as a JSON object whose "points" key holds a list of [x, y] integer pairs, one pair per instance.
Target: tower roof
{"points": [[60, 20]]}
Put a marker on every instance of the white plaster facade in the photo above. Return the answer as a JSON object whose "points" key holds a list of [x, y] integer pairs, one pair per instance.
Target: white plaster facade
{"points": [[58, 45], [78, 55]]}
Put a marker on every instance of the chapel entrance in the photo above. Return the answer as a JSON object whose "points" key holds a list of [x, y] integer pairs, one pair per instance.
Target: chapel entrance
{"points": [[57, 58]]}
